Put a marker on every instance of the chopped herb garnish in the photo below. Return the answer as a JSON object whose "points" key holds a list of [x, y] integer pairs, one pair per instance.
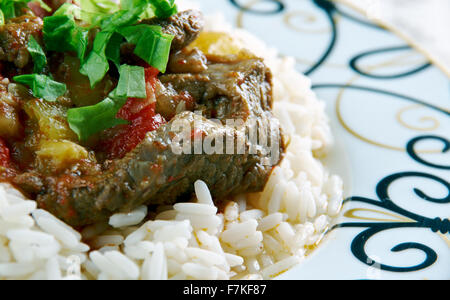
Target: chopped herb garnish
{"points": [[154, 48], [88, 120], [13, 8], [68, 9], [2, 18], [62, 34], [121, 18], [164, 8], [42, 86], [71, 28], [131, 82], [152, 45], [113, 49], [96, 65], [37, 54]]}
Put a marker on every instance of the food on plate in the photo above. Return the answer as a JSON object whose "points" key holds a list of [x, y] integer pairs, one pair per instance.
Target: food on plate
{"points": [[121, 115]]}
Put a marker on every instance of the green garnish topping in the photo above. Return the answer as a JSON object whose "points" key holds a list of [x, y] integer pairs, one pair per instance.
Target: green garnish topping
{"points": [[152, 45], [42, 86], [89, 120], [37, 54], [62, 34], [71, 29], [96, 65], [113, 49], [2, 18], [131, 82], [12, 8], [164, 8]]}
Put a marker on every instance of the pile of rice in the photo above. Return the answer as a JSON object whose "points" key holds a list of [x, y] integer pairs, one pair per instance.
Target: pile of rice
{"points": [[256, 236]]}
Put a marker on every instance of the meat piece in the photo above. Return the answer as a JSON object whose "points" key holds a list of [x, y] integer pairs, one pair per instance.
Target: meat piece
{"points": [[169, 102], [14, 39], [185, 26], [219, 91], [155, 172], [187, 61]]}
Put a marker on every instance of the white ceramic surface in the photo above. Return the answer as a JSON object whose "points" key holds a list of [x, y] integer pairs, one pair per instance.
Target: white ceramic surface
{"points": [[389, 110]]}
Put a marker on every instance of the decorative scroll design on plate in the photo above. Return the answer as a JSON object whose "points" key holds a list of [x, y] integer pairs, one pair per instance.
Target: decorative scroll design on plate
{"points": [[343, 87], [278, 8], [354, 64], [414, 155], [393, 216], [406, 219], [328, 7], [434, 123]]}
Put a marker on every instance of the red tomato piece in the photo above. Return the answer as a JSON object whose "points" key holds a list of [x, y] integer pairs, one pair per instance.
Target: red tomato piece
{"points": [[5, 158], [142, 119]]}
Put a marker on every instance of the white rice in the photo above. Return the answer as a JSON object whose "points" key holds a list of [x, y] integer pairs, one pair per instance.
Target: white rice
{"points": [[257, 236]]}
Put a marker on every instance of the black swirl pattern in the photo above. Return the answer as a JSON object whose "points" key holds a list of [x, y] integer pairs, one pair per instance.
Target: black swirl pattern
{"points": [[278, 8], [414, 155], [354, 64], [330, 9], [384, 199]]}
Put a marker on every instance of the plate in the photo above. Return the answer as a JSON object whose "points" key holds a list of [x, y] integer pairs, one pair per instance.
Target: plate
{"points": [[390, 113]]}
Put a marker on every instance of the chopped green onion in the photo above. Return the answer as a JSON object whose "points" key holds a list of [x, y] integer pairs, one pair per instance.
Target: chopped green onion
{"points": [[164, 8], [42, 86], [61, 34], [96, 65], [99, 6], [13, 8], [122, 18], [8, 9], [68, 9], [58, 33], [154, 48], [131, 82], [2, 18], [37, 54], [113, 49], [152, 45], [88, 120], [42, 4]]}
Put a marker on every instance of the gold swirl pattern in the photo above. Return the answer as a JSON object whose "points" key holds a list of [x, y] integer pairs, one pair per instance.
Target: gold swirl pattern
{"points": [[289, 18], [397, 61], [353, 214], [241, 13], [306, 17], [435, 124], [344, 124], [293, 19]]}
